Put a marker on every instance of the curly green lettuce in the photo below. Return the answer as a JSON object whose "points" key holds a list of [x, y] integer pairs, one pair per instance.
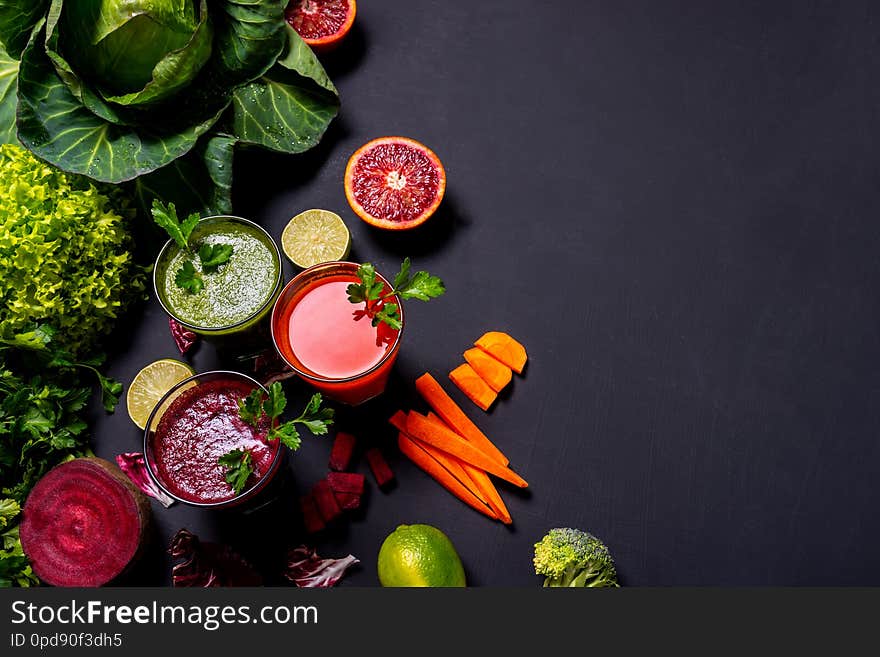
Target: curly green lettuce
{"points": [[65, 254]]}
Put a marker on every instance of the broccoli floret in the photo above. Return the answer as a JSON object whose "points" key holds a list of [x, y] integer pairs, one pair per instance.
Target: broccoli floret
{"points": [[571, 557]]}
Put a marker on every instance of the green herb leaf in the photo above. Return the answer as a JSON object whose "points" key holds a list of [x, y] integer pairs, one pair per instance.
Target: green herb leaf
{"points": [[166, 217], [287, 434], [249, 408], [368, 289], [239, 466], [214, 255], [388, 313], [421, 285], [276, 401], [189, 279], [315, 418], [402, 277]]}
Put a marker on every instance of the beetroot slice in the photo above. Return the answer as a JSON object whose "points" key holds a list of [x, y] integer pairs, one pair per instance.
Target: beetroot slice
{"points": [[379, 467], [343, 448], [84, 523], [312, 519], [346, 482], [326, 501], [348, 501]]}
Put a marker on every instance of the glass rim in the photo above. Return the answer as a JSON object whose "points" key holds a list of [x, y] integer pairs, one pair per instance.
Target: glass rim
{"points": [[308, 273], [250, 492], [216, 329]]}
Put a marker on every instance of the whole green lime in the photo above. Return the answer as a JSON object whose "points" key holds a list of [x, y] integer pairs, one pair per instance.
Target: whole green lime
{"points": [[419, 555]]}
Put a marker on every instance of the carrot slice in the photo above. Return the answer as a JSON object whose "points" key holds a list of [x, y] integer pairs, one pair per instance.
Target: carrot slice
{"points": [[416, 453], [420, 427], [437, 398], [504, 348], [481, 482], [455, 466], [491, 370], [473, 385]]}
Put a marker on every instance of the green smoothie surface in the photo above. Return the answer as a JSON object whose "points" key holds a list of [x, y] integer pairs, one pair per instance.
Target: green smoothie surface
{"points": [[232, 293]]}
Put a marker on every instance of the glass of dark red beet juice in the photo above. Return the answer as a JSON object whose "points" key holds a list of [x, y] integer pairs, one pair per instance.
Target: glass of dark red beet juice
{"points": [[196, 423]]}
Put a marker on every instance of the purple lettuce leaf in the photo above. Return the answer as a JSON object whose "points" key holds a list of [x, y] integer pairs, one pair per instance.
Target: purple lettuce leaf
{"points": [[306, 569], [208, 564], [183, 337], [132, 464]]}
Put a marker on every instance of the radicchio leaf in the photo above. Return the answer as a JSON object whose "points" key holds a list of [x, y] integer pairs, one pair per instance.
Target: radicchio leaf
{"points": [[306, 569], [183, 337], [208, 564], [132, 464]]}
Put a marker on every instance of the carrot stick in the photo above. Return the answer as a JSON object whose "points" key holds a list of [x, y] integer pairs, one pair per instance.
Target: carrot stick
{"points": [[418, 426], [481, 482], [418, 455], [437, 398], [455, 466]]}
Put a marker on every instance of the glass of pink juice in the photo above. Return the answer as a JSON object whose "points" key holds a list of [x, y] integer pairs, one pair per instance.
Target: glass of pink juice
{"points": [[329, 341]]}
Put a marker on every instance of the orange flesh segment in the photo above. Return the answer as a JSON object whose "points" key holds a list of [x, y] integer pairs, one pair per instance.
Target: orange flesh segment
{"points": [[439, 400], [473, 385], [504, 348], [495, 373]]}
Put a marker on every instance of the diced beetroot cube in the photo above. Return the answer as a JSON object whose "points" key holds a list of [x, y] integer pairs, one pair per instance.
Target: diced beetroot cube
{"points": [[348, 501], [312, 519], [343, 448], [327, 504], [379, 467], [346, 482]]}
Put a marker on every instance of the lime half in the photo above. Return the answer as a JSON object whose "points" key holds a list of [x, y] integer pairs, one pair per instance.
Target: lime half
{"points": [[150, 384], [315, 236]]}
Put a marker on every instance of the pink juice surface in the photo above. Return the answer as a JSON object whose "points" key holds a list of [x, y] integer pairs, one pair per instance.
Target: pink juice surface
{"points": [[331, 336], [199, 427]]}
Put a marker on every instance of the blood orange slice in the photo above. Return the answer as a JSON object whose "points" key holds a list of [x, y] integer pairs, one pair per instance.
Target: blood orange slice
{"points": [[394, 182], [321, 23]]}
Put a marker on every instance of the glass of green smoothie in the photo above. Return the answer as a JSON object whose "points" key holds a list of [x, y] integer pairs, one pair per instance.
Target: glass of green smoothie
{"points": [[232, 300]]}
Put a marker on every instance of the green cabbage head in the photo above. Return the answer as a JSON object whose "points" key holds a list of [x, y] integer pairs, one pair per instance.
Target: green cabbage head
{"points": [[136, 51], [158, 94]]}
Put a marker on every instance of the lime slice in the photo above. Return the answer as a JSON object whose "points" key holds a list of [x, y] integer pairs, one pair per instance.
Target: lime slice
{"points": [[315, 236], [148, 386]]}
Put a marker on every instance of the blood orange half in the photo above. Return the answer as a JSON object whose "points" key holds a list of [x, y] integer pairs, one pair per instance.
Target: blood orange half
{"points": [[321, 23], [394, 182]]}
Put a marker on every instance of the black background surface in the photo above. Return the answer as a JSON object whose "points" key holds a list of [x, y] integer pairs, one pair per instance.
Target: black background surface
{"points": [[674, 206]]}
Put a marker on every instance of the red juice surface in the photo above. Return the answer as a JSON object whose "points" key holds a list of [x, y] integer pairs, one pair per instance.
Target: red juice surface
{"points": [[332, 337], [199, 427]]}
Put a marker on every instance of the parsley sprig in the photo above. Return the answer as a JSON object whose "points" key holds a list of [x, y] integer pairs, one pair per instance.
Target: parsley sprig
{"points": [[371, 292], [211, 256], [239, 464], [257, 405]]}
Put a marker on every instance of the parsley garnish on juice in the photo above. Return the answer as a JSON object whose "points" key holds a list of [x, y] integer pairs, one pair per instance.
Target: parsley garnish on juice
{"points": [[373, 294], [210, 256], [238, 463]]}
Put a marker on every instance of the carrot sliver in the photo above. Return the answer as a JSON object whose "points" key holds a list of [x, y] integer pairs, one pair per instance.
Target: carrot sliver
{"points": [[495, 373], [424, 460], [504, 348], [398, 421], [450, 412], [473, 385], [484, 484], [458, 467], [420, 427]]}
